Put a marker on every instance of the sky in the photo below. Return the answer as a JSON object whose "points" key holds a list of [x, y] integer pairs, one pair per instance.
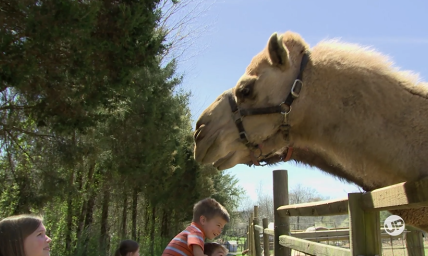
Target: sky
{"points": [[231, 32]]}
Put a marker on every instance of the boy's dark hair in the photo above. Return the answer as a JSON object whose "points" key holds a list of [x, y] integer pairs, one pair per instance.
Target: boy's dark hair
{"points": [[210, 248], [125, 247], [209, 208]]}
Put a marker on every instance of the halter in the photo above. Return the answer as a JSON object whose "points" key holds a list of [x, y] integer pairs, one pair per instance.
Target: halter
{"points": [[284, 109]]}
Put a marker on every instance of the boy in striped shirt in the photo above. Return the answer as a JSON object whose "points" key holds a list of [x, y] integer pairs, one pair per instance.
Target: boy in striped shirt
{"points": [[209, 218]]}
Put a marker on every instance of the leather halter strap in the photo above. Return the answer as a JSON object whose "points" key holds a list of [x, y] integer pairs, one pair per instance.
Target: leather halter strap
{"points": [[283, 108], [289, 154]]}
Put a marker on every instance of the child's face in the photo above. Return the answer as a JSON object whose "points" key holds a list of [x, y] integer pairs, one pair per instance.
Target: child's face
{"points": [[213, 227], [219, 252]]}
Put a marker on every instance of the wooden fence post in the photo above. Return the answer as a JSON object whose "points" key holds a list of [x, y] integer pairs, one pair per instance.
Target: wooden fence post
{"points": [[280, 198], [250, 236], [258, 249], [266, 248], [414, 242], [253, 242], [364, 228], [246, 243]]}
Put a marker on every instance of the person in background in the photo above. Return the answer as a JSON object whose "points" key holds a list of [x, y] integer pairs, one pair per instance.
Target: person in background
{"points": [[23, 235], [128, 248], [215, 249]]}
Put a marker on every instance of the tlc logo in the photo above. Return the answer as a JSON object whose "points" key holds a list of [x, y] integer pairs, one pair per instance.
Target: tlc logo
{"points": [[394, 225]]}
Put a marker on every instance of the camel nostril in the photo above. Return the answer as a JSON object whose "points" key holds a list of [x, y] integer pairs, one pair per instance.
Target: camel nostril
{"points": [[195, 134], [198, 124], [198, 132]]}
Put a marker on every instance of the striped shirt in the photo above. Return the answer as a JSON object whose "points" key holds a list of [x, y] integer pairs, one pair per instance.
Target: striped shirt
{"points": [[181, 244]]}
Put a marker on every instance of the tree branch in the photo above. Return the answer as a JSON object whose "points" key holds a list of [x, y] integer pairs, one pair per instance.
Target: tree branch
{"points": [[8, 130], [23, 150], [15, 107]]}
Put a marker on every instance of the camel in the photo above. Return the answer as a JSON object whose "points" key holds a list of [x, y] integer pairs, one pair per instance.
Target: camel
{"points": [[341, 107]]}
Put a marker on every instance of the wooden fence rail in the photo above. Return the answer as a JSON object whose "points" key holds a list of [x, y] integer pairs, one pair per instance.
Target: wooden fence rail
{"points": [[364, 233]]}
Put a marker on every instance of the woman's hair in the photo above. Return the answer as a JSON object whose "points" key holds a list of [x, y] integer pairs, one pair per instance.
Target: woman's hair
{"points": [[14, 230], [126, 246], [210, 248]]}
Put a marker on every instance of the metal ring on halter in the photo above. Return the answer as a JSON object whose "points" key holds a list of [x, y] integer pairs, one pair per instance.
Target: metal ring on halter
{"points": [[261, 153], [285, 112]]}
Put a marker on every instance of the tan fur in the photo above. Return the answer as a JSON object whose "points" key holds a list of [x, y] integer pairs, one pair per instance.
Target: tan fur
{"points": [[355, 111]]}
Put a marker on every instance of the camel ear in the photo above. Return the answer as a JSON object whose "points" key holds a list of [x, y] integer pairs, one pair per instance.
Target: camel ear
{"points": [[278, 54]]}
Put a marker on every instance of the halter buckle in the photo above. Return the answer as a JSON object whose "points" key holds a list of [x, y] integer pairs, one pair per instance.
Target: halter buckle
{"points": [[243, 136], [295, 89]]}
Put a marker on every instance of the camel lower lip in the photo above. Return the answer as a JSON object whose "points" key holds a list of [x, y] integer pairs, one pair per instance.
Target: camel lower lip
{"points": [[219, 162]]}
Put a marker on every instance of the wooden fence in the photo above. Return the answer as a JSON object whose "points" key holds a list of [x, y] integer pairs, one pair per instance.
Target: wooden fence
{"points": [[364, 233]]}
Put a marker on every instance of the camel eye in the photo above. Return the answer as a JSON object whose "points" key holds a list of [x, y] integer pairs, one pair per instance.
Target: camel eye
{"points": [[246, 92]]}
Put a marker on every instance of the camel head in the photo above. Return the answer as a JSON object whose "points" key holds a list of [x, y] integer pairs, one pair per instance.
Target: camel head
{"points": [[246, 122]]}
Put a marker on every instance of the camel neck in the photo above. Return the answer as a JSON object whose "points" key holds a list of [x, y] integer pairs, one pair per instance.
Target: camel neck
{"points": [[366, 118]]}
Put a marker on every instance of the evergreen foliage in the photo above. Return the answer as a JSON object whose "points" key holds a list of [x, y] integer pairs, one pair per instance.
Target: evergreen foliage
{"points": [[94, 133]]}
